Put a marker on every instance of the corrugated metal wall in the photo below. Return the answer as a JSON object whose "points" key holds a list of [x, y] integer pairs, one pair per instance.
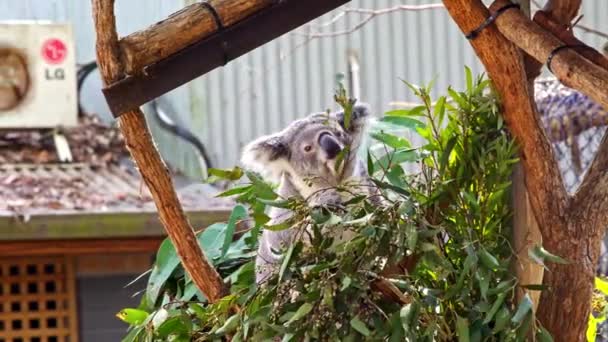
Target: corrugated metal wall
{"points": [[289, 77]]}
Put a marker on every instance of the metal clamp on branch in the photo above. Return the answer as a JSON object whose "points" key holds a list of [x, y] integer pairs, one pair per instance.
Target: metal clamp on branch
{"points": [[220, 27], [473, 34]]}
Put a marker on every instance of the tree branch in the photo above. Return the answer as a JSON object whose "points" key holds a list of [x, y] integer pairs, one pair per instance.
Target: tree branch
{"points": [[151, 166], [562, 11], [571, 68], [594, 184], [562, 32]]}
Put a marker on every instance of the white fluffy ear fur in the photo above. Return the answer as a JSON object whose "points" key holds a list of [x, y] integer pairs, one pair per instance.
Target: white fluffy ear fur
{"points": [[266, 155]]}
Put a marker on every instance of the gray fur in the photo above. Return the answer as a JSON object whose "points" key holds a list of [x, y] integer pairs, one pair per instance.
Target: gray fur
{"points": [[305, 169]]}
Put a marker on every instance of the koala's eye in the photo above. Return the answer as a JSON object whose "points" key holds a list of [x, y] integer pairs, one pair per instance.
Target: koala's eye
{"points": [[307, 148]]}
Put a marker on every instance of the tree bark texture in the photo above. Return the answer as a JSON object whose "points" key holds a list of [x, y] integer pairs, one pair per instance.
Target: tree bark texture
{"points": [[562, 11], [182, 29], [149, 162], [570, 226], [563, 33]]}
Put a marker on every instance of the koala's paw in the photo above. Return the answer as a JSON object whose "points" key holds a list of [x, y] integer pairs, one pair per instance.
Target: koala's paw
{"points": [[361, 111]]}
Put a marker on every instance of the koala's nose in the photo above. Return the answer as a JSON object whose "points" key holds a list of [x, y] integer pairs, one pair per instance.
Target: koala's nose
{"points": [[330, 145]]}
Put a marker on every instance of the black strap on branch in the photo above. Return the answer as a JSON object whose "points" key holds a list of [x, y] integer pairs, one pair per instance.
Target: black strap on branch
{"points": [[558, 49], [220, 27], [492, 18]]}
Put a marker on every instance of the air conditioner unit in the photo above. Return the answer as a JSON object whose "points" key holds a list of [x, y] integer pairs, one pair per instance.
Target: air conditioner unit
{"points": [[37, 75]]}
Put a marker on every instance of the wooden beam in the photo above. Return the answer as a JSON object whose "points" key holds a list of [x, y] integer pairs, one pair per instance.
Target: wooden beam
{"points": [[182, 29], [168, 71], [571, 68], [151, 166], [78, 246]]}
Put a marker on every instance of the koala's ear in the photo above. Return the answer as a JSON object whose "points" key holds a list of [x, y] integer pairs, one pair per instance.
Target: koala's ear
{"points": [[267, 155]]}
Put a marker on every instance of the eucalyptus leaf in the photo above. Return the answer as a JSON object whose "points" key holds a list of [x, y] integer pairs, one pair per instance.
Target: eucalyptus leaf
{"points": [[360, 327]]}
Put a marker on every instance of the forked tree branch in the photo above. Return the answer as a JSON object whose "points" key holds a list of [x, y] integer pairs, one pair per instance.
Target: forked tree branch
{"points": [[151, 166], [571, 68]]}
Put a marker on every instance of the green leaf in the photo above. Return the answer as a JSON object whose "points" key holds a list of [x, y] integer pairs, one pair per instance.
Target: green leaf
{"points": [[235, 191], [445, 156], [302, 311], [484, 282], [415, 111], [462, 329], [384, 185], [211, 240], [132, 316], [166, 262], [134, 334], [487, 259], [286, 261], [524, 328], [502, 319], [346, 281], [340, 157], [282, 203], [542, 335], [391, 140], [359, 326], [176, 326], [503, 286], [540, 255], [414, 88], [495, 307], [601, 285], [439, 110], [469, 78], [462, 103], [224, 174], [523, 308], [238, 213], [229, 326], [280, 226], [403, 122], [397, 157], [370, 163]]}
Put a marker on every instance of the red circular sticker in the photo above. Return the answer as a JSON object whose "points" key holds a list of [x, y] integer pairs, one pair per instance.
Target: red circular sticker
{"points": [[54, 51]]}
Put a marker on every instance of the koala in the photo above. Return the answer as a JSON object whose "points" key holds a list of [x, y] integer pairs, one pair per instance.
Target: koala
{"points": [[302, 158]]}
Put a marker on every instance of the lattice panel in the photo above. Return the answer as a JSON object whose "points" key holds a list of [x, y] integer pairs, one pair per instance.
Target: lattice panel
{"points": [[37, 300]]}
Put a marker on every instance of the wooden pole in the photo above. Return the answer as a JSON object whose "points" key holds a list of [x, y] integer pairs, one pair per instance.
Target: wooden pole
{"points": [[526, 233], [151, 166]]}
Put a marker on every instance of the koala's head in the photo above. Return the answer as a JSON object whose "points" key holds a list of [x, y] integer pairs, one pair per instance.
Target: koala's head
{"points": [[308, 149]]}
